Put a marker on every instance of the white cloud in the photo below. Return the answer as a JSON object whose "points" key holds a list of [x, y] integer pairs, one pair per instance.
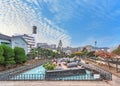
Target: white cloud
{"points": [[18, 16]]}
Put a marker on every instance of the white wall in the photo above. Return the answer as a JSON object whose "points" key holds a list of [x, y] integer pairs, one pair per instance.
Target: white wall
{"points": [[19, 42]]}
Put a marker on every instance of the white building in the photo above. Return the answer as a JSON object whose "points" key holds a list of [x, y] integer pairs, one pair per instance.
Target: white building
{"points": [[14, 41], [17, 41], [46, 46], [30, 41], [52, 46], [42, 45]]}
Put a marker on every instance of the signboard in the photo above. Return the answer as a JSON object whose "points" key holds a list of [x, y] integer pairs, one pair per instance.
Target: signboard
{"points": [[96, 76]]}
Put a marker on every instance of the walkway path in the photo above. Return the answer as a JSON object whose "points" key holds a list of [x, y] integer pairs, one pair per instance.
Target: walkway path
{"points": [[53, 83]]}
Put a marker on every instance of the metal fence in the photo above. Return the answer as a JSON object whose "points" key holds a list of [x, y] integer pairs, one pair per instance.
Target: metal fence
{"points": [[16, 74], [26, 77], [85, 77], [6, 74], [35, 77], [104, 74]]}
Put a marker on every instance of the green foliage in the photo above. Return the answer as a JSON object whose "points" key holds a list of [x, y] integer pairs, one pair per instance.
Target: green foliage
{"points": [[1, 55], [49, 66], [33, 53], [71, 56], [91, 54], [85, 51], [43, 53], [1, 59], [117, 51], [68, 61], [20, 56], [1, 50], [8, 55]]}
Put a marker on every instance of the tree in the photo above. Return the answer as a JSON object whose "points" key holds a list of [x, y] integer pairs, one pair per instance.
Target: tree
{"points": [[78, 54], [107, 56], [117, 59], [8, 55], [1, 55], [33, 53], [91, 54], [117, 51], [20, 56], [84, 52]]}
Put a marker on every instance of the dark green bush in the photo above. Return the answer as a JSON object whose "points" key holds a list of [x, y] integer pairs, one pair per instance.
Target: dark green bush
{"points": [[1, 50], [1, 59], [20, 56], [8, 55], [1, 55]]}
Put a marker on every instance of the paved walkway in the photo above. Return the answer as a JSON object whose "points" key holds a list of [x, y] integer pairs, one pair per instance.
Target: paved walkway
{"points": [[115, 81], [54, 83]]}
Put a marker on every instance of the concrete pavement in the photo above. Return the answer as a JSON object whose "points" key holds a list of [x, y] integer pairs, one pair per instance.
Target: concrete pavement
{"points": [[54, 83], [115, 81]]}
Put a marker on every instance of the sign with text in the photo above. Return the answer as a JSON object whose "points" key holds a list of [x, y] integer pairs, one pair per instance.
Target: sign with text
{"points": [[96, 76]]}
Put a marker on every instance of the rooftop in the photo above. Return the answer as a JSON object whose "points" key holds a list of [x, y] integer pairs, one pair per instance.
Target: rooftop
{"points": [[5, 37]]}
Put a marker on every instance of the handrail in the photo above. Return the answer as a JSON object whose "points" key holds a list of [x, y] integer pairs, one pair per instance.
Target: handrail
{"points": [[105, 74]]}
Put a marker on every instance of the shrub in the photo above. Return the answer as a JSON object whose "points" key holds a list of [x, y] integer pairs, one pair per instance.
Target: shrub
{"points": [[1, 59], [1, 55], [20, 56], [8, 55], [68, 61], [1, 50], [49, 66]]}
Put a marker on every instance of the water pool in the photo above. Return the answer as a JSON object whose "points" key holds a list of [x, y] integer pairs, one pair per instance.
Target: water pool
{"points": [[38, 73], [37, 70]]}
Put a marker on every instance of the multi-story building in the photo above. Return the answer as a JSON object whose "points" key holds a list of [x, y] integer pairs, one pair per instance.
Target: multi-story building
{"points": [[42, 45], [52, 46], [17, 41], [46, 46], [30, 41], [70, 50], [14, 41], [4, 39]]}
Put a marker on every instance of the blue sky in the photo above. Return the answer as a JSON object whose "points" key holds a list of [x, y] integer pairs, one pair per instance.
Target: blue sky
{"points": [[86, 21], [80, 21]]}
